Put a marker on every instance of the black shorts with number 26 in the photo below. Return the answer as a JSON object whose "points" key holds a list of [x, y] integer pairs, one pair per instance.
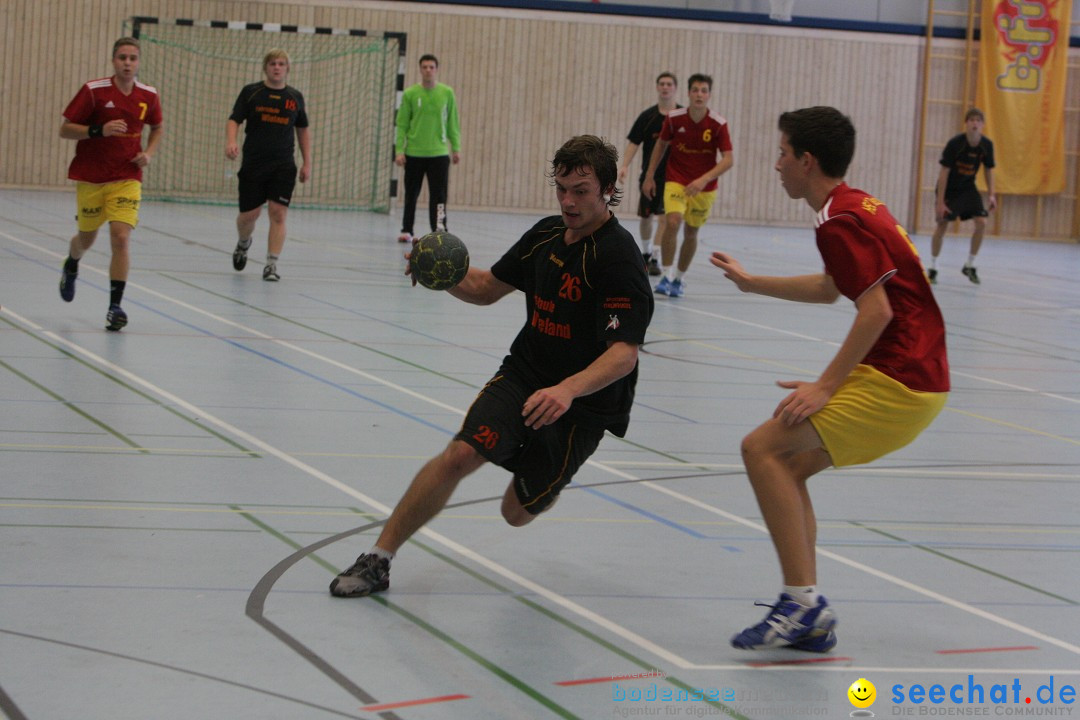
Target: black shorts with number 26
{"points": [[543, 461]]}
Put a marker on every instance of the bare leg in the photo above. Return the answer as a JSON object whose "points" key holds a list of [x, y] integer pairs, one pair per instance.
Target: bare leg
{"points": [[645, 229], [669, 238], [245, 223], [120, 264], [689, 247], [276, 238], [977, 235], [428, 493], [938, 239], [80, 243], [779, 460]]}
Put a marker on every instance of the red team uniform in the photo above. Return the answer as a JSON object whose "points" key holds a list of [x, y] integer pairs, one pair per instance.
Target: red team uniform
{"points": [[693, 145], [108, 159], [862, 244]]}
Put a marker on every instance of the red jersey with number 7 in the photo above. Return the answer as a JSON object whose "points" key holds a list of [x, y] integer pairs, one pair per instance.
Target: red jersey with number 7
{"points": [[694, 145], [108, 159]]}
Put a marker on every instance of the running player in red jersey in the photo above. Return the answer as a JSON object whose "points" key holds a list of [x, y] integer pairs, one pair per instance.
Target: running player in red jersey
{"points": [[107, 118], [693, 138], [885, 385]]}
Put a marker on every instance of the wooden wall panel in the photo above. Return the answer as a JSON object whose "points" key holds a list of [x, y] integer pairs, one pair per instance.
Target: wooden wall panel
{"points": [[526, 81]]}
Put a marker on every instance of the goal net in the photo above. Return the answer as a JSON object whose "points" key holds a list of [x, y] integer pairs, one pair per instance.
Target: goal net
{"points": [[350, 82]]}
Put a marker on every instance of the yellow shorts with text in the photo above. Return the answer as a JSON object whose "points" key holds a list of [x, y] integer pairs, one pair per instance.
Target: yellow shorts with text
{"points": [[107, 202], [872, 415], [695, 210]]}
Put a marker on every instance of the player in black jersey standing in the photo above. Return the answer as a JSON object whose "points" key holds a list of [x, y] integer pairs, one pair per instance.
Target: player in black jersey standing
{"points": [[643, 134], [571, 371], [274, 112]]}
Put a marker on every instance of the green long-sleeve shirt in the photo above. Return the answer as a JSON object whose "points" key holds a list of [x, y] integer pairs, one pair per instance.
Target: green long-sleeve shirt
{"points": [[427, 122]]}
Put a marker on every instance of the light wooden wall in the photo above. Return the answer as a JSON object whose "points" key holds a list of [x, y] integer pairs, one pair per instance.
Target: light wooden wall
{"points": [[526, 81]]}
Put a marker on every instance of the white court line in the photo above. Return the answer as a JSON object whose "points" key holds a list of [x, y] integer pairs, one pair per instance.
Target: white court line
{"points": [[781, 331], [566, 603]]}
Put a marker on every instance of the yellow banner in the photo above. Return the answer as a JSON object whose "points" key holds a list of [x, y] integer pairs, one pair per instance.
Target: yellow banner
{"points": [[1021, 87]]}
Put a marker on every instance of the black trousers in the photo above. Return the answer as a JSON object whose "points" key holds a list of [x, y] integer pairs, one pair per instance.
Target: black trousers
{"points": [[437, 172]]}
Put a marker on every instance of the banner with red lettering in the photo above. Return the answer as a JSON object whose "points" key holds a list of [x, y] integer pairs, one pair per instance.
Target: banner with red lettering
{"points": [[1023, 56]]}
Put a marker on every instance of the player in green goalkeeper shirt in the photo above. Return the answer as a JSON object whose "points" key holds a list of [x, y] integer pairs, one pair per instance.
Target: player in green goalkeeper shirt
{"points": [[428, 140]]}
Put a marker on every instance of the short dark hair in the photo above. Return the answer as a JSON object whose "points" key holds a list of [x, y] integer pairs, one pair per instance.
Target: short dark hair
{"points": [[125, 41], [430, 57], [585, 152], [824, 132], [700, 78], [974, 112], [665, 74]]}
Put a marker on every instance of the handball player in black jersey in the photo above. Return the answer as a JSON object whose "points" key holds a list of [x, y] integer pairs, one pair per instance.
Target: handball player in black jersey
{"points": [[571, 370]]}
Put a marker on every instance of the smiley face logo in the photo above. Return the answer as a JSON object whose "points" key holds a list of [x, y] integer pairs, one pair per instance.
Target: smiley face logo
{"points": [[862, 693]]}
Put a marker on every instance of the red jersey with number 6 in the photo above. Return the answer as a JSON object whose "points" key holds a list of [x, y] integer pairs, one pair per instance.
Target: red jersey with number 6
{"points": [[108, 159], [863, 245], [694, 145]]}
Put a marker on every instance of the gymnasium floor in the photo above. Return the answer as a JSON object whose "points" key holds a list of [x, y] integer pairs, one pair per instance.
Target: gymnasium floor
{"points": [[175, 498]]}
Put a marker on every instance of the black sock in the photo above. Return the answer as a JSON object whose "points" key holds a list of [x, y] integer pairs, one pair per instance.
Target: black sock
{"points": [[116, 291], [71, 265]]}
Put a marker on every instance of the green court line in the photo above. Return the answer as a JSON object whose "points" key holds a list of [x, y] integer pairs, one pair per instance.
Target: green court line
{"points": [[967, 564], [324, 333], [130, 388], [76, 409], [460, 647]]}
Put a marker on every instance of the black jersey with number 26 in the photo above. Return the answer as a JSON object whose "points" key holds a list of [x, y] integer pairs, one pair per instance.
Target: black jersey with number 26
{"points": [[579, 298]]}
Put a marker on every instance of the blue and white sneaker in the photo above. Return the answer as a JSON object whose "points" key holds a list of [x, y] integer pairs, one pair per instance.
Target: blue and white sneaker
{"points": [[792, 625], [664, 287], [677, 288]]}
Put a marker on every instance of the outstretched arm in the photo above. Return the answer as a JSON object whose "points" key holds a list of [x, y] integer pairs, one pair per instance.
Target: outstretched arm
{"points": [[547, 405], [818, 288]]}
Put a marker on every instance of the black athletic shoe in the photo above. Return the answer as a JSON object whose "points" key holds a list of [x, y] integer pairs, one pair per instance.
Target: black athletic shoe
{"points": [[67, 284], [239, 256], [971, 274], [370, 573], [270, 273], [654, 267], [116, 318], [932, 275]]}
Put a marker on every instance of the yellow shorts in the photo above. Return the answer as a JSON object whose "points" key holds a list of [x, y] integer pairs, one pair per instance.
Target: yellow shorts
{"points": [[695, 210], [107, 202], [872, 415]]}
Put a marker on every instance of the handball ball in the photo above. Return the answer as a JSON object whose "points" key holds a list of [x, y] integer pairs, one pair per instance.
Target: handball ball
{"points": [[439, 260]]}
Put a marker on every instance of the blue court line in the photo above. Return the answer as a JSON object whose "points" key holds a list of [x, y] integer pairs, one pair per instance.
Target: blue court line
{"points": [[268, 357], [653, 516], [399, 326]]}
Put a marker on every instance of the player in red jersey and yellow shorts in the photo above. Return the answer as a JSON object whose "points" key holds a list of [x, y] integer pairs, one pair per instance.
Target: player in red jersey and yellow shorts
{"points": [[885, 385], [693, 137], [107, 118]]}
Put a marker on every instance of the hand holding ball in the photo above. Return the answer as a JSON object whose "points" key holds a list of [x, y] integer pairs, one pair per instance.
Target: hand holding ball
{"points": [[439, 260]]}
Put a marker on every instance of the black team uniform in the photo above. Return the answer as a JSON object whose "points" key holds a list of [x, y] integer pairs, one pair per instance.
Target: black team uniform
{"points": [[268, 171], [644, 133], [578, 297]]}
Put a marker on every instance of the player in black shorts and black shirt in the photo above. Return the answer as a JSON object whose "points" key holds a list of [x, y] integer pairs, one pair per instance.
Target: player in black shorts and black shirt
{"points": [[957, 196], [643, 134], [274, 112], [571, 371]]}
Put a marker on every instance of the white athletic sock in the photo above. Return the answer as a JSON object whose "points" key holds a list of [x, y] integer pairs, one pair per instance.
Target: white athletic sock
{"points": [[970, 261], [933, 262], [244, 243], [678, 274], [805, 595], [667, 272], [646, 246], [379, 552], [271, 259]]}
